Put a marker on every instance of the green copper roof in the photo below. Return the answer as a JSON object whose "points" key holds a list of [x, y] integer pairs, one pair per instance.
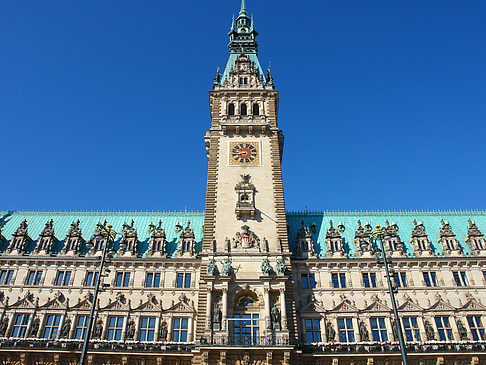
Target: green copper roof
{"points": [[88, 220], [317, 222], [431, 220]]}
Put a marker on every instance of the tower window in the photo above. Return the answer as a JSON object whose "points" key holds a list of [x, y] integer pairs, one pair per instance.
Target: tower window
{"points": [[244, 110], [231, 109], [256, 109]]}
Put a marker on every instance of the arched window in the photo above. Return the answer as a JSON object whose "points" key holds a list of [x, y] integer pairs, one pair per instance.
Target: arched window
{"points": [[243, 110], [256, 109], [231, 109]]}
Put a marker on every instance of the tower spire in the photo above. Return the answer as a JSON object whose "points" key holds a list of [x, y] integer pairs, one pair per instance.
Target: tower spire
{"points": [[243, 8]]}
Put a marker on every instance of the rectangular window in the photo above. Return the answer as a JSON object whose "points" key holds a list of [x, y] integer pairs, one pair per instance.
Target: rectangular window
{"points": [[147, 329], [430, 279], [81, 325], [308, 281], [115, 327], [34, 277], [52, 327], [477, 329], [346, 332], [400, 279], [247, 330], [444, 328], [91, 278], [6, 277], [338, 280], [484, 275], [412, 332], [20, 325], [152, 280], [378, 329], [460, 278], [313, 330], [122, 279], [183, 280], [63, 278], [179, 329], [369, 280]]}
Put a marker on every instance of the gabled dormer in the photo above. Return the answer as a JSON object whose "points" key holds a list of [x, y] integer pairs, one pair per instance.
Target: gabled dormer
{"points": [[74, 239], [304, 243], [158, 240], [448, 239], [99, 240], [20, 241], [419, 240], [129, 240], [47, 239], [334, 241], [475, 238], [187, 242], [362, 239], [392, 241]]}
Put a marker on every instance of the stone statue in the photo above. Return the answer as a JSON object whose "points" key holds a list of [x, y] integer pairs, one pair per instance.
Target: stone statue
{"points": [[98, 330], [3, 327], [462, 330], [363, 332], [266, 268], [211, 268], [130, 334], [280, 267], [66, 327], [330, 332], [394, 330], [163, 331], [429, 331], [275, 314], [217, 315], [226, 268], [34, 328]]}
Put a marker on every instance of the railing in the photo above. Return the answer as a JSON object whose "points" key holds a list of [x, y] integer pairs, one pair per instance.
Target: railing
{"points": [[73, 345], [245, 340], [394, 347]]}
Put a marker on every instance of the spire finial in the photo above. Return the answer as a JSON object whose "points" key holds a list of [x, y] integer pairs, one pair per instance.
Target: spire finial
{"points": [[243, 8], [233, 23]]}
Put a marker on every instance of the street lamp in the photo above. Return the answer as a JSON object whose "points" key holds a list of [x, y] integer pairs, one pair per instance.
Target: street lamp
{"points": [[105, 232], [379, 234]]}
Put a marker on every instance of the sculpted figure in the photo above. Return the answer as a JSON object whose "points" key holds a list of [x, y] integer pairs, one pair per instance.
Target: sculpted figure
{"points": [[211, 268], [226, 268], [280, 267], [330, 332], [35, 328], [429, 331], [266, 268], [163, 331], [363, 332], [462, 330], [3, 327], [98, 330], [217, 315], [275, 313], [130, 330], [65, 329]]}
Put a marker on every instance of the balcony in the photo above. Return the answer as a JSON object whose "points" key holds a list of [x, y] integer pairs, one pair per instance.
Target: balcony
{"points": [[245, 340]]}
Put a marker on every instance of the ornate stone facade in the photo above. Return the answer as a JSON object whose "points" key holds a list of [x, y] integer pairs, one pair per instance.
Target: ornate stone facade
{"points": [[245, 282]]}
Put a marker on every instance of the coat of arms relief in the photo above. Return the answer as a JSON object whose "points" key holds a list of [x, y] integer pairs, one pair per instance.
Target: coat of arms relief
{"points": [[245, 239]]}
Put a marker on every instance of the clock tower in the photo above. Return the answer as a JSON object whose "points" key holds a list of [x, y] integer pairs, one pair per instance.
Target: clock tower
{"points": [[245, 245]]}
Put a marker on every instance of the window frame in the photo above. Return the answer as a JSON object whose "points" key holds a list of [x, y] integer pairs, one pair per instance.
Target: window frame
{"points": [[181, 331], [80, 327], [379, 332], [445, 330], [476, 327], [313, 333], [122, 279], [34, 277], [146, 330], [22, 326], [63, 278], [411, 329], [114, 330], [51, 329], [346, 332]]}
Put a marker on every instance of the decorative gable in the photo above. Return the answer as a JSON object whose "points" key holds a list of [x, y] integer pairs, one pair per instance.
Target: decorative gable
{"points": [[473, 305], [56, 303], [410, 306], [314, 306], [151, 305], [345, 307], [26, 302], [441, 305], [377, 306], [183, 306], [120, 304]]}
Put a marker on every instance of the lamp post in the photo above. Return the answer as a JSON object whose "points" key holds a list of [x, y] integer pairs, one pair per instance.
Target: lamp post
{"points": [[107, 232], [378, 235]]}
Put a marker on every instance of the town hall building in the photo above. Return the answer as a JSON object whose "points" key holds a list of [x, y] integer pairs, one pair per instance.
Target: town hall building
{"points": [[245, 282]]}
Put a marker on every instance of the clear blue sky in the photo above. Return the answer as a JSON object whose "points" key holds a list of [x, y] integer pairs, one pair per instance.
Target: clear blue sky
{"points": [[104, 104]]}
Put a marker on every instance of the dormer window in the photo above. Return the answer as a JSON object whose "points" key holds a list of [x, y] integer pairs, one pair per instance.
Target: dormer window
{"points": [[231, 109], [243, 109], [256, 109], [243, 80]]}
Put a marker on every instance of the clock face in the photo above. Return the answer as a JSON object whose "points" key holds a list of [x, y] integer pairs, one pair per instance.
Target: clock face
{"points": [[244, 153]]}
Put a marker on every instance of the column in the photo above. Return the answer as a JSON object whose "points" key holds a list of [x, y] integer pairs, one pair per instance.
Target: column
{"points": [[283, 309], [208, 309], [267, 307], [189, 329], [225, 308], [169, 328]]}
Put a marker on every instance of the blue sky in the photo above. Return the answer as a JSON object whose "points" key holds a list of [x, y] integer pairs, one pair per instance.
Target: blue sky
{"points": [[104, 104]]}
